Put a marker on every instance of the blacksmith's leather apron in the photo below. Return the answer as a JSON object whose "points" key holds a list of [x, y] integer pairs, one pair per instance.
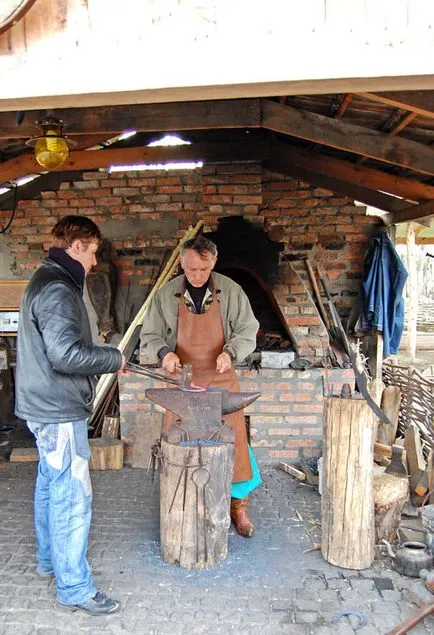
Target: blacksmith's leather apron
{"points": [[200, 340]]}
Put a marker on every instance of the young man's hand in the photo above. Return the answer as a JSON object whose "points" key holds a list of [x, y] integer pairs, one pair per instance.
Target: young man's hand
{"points": [[122, 370]]}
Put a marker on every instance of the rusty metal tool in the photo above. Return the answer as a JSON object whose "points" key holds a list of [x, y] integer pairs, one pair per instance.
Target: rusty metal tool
{"points": [[184, 383], [200, 478]]}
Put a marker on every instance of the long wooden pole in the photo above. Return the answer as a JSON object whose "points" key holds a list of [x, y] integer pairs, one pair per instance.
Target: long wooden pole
{"points": [[317, 295], [105, 381], [412, 291]]}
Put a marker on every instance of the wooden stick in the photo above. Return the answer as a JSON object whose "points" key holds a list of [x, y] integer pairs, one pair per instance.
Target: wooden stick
{"points": [[412, 620], [106, 380], [317, 294]]}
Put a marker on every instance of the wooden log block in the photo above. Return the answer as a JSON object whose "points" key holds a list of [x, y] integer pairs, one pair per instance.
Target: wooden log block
{"points": [[110, 427], [195, 504], [390, 404], [106, 454], [390, 495], [347, 502], [24, 455]]}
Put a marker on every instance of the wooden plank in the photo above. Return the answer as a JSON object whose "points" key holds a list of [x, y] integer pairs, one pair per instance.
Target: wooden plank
{"points": [[291, 469], [249, 150], [390, 405], [24, 455], [349, 137], [412, 213], [110, 427], [111, 120], [359, 175], [417, 101]]}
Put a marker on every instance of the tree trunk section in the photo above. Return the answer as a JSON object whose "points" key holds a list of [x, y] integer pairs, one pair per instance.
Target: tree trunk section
{"points": [[106, 454], [347, 502], [195, 503], [390, 495]]}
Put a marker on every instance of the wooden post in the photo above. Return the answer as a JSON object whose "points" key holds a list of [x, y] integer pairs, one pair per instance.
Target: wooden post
{"points": [[347, 502], [413, 300], [195, 503]]}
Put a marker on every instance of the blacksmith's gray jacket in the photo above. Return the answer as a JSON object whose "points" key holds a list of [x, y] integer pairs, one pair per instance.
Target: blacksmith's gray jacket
{"points": [[56, 360], [160, 324]]}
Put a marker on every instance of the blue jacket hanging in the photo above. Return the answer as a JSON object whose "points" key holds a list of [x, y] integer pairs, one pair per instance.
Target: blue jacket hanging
{"points": [[384, 277]]}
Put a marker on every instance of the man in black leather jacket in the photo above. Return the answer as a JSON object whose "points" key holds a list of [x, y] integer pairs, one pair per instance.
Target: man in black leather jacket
{"points": [[57, 364]]}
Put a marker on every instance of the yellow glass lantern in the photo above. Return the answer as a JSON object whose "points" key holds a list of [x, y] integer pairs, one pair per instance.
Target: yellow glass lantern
{"points": [[51, 147]]}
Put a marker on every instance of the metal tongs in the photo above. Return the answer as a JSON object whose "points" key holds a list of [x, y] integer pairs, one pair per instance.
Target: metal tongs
{"points": [[184, 383]]}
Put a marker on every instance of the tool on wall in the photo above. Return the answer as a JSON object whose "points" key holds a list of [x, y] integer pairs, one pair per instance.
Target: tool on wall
{"points": [[361, 379]]}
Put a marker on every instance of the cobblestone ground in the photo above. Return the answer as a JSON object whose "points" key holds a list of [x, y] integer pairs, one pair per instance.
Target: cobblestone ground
{"points": [[269, 584]]}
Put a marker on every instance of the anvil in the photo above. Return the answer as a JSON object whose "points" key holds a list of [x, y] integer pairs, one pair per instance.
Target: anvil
{"points": [[200, 412]]}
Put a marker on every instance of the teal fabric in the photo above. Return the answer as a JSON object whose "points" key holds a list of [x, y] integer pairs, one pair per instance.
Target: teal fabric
{"points": [[243, 488]]}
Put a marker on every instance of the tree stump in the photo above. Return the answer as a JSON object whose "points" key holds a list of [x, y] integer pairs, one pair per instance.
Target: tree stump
{"points": [[390, 496], [347, 502], [195, 502], [106, 454]]}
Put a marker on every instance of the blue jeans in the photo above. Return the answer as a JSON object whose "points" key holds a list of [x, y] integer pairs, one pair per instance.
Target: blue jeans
{"points": [[63, 512]]}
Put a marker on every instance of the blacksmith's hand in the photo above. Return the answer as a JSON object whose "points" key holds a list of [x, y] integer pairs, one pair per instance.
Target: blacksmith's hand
{"points": [[223, 363], [171, 362]]}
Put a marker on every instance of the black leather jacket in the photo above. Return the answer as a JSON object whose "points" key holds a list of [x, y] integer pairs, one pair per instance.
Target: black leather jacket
{"points": [[56, 359]]}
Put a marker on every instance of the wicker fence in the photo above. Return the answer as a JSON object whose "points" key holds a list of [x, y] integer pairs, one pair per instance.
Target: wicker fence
{"points": [[417, 400]]}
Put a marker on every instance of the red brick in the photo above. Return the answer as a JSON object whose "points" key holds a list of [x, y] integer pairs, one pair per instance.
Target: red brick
{"points": [[308, 408], [283, 454]]}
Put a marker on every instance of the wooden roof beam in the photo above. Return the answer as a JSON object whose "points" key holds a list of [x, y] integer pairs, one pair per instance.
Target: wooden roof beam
{"points": [[419, 213], [354, 192], [402, 124], [347, 137], [420, 102], [112, 120], [344, 105], [250, 150], [410, 189]]}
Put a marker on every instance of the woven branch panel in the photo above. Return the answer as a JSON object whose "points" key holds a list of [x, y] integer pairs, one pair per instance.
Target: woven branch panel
{"points": [[417, 401]]}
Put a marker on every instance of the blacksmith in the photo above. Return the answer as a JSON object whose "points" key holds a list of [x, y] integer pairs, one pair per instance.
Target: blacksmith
{"points": [[205, 319]]}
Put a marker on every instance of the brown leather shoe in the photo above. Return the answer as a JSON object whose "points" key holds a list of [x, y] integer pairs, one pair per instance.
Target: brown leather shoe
{"points": [[239, 517]]}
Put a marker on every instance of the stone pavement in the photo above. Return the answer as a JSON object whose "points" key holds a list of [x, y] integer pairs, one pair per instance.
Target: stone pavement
{"points": [[269, 584]]}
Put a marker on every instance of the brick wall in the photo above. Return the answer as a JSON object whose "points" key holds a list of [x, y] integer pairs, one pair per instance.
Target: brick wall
{"points": [[146, 213]]}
